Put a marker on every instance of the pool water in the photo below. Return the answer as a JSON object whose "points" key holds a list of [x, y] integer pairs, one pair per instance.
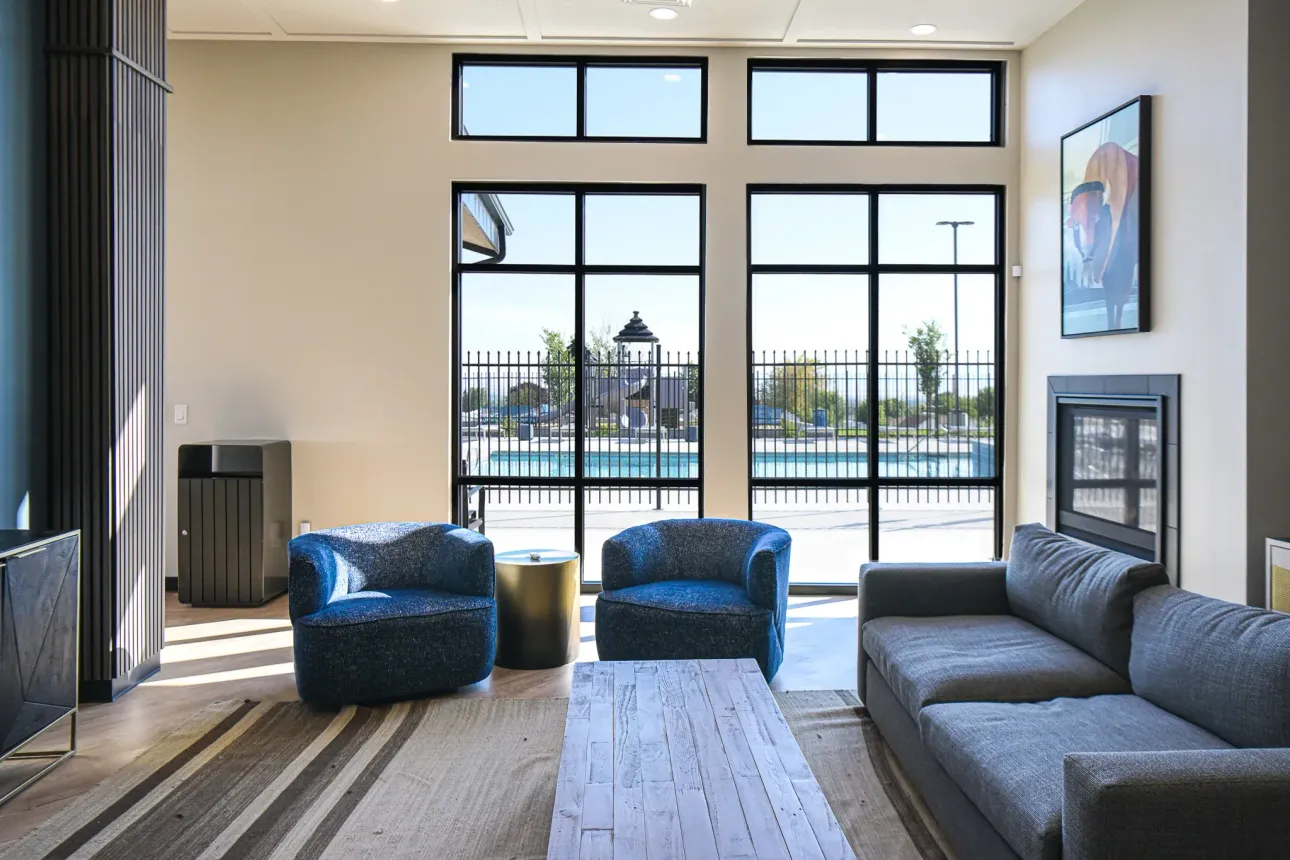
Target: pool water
{"points": [[977, 463]]}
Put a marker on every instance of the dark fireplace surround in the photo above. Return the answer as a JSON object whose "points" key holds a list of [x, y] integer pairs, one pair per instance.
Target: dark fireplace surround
{"points": [[1149, 402]]}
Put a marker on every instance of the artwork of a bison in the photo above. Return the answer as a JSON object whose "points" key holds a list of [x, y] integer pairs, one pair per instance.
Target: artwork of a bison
{"points": [[1103, 182]]}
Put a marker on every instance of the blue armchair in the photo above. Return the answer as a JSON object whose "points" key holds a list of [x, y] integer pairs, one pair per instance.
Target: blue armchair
{"points": [[391, 611], [694, 589]]}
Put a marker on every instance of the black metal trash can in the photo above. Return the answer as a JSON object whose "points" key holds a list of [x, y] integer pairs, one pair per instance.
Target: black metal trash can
{"points": [[234, 522]]}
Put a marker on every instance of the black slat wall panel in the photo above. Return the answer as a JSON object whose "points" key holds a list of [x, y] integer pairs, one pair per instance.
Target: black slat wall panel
{"points": [[107, 120]]}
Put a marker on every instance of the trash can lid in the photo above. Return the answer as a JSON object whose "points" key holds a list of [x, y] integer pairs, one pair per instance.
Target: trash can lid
{"points": [[544, 556]]}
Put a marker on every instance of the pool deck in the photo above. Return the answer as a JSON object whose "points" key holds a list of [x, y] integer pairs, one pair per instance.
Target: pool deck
{"points": [[830, 542]]}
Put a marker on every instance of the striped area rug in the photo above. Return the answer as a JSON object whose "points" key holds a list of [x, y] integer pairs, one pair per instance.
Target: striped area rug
{"points": [[440, 779]]}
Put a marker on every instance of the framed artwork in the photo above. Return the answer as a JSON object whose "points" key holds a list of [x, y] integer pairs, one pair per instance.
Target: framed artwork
{"points": [[1106, 223]]}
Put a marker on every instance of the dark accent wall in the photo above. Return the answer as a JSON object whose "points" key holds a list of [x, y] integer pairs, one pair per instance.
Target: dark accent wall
{"points": [[1267, 301], [107, 114], [22, 261]]}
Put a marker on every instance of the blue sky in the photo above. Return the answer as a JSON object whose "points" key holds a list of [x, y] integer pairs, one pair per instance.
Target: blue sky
{"points": [[790, 312]]}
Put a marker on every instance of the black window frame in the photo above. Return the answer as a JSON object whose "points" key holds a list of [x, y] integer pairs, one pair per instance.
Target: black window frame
{"points": [[873, 270], [581, 63], [997, 69], [579, 484]]}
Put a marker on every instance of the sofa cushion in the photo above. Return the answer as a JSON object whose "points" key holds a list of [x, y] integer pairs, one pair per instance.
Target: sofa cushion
{"points": [[980, 658], [1007, 758], [1077, 591], [363, 607], [1220, 665]]}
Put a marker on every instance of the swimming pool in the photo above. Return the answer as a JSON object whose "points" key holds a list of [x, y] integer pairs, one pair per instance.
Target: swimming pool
{"points": [[978, 462]]}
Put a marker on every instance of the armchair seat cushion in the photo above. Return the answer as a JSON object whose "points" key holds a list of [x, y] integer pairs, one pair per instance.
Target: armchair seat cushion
{"points": [[366, 648], [374, 605], [974, 658], [697, 596], [1008, 758], [685, 620]]}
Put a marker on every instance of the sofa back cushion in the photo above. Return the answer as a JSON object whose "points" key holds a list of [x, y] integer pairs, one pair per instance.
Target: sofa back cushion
{"points": [[1223, 666], [1078, 591]]}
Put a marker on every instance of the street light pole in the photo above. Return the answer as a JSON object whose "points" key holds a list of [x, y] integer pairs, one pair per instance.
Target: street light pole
{"points": [[955, 225]]}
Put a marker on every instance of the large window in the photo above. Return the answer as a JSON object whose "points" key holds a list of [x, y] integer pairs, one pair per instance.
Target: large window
{"points": [[863, 102], [578, 333], [504, 97], [875, 403]]}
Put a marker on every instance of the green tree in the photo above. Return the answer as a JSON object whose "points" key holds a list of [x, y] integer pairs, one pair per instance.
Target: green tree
{"points": [[984, 404], [528, 394], [894, 409], [474, 398], [861, 412], [946, 403], [558, 370], [926, 342], [795, 387], [602, 346], [833, 405]]}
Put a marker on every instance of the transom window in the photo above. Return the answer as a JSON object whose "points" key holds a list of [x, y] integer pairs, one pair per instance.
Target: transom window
{"points": [[506, 97], [864, 102]]}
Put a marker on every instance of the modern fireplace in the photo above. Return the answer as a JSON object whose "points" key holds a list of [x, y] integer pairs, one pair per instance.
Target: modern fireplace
{"points": [[1113, 463]]}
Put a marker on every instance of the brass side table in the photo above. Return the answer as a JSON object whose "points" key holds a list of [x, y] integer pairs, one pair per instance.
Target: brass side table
{"points": [[537, 609]]}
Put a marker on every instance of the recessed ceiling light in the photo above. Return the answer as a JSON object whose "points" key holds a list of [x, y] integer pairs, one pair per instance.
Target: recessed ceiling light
{"points": [[671, 77], [923, 29], [662, 13]]}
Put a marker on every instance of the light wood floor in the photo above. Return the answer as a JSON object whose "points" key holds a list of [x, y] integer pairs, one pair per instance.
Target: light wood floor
{"points": [[219, 654]]}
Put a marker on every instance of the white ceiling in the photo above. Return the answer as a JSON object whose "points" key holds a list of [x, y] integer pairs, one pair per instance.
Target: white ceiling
{"points": [[983, 23]]}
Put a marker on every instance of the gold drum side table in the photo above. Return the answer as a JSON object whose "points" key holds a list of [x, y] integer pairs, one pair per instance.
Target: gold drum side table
{"points": [[537, 609]]}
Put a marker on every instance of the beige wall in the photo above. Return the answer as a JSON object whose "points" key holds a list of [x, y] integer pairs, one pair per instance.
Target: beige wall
{"points": [[1192, 56], [308, 257]]}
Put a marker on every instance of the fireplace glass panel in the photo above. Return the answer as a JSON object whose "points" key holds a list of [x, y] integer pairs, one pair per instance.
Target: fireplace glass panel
{"points": [[1115, 465]]}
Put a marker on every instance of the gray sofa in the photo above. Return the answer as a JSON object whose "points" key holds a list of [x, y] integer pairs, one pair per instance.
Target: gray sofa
{"points": [[1072, 704]]}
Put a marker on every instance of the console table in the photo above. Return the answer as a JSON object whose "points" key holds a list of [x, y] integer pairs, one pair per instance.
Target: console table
{"points": [[39, 639]]}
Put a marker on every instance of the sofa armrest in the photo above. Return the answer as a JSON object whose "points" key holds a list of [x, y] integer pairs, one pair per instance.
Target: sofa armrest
{"points": [[464, 564], [634, 556], [315, 577], [765, 573], [1210, 804], [928, 590]]}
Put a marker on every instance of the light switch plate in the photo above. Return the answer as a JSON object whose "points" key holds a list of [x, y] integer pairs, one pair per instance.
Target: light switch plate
{"points": [[181, 414], [1016, 271]]}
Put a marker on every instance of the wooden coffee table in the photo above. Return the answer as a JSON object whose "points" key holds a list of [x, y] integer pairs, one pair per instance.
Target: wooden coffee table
{"points": [[682, 760]]}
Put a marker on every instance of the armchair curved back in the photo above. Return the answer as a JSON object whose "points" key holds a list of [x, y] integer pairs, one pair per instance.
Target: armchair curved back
{"points": [[330, 563], [710, 549]]}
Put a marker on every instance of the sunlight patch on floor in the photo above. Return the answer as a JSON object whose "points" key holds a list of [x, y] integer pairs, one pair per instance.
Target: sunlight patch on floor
{"points": [[223, 677], [206, 649], [231, 627]]}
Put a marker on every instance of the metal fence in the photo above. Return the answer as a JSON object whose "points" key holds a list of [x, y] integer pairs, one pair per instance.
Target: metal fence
{"points": [[519, 415], [810, 418]]}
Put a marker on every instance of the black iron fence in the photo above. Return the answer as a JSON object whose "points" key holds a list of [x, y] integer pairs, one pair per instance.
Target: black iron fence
{"points": [[811, 417], [934, 416], [640, 415]]}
